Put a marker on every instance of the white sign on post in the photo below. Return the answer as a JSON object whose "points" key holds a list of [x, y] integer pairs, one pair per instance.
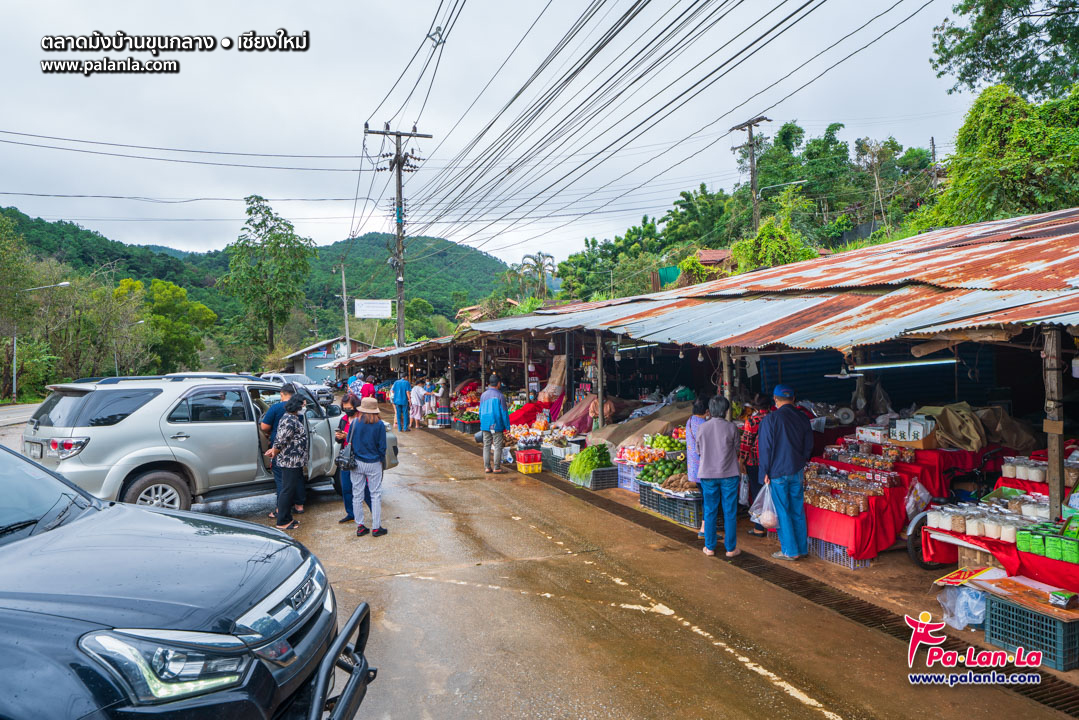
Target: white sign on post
{"points": [[381, 309]]}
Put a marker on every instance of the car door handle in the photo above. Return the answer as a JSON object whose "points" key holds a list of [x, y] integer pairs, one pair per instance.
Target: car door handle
{"points": [[180, 436]]}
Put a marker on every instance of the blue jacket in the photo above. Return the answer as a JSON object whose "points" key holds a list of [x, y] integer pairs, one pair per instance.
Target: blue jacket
{"points": [[493, 413], [784, 443], [368, 440], [401, 388]]}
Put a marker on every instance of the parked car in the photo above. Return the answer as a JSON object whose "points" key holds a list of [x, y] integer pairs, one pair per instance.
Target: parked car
{"points": [[115, 612], [322, 392], [172, 440]]}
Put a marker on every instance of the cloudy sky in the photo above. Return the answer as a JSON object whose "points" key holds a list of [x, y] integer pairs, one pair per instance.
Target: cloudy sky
{"points": [[613, 142]]}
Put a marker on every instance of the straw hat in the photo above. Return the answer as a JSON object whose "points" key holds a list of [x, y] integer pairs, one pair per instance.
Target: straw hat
{"points": [[369, 405]]}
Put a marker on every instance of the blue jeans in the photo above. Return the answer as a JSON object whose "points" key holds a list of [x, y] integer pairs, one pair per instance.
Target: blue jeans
{"points": [[402, 416], [346, 493], [788, 496], [299, 492], [720, 491]]}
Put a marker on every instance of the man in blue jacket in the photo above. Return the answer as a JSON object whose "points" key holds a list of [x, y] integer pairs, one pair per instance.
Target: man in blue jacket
{"points": [[400, 391], [785, 444], [494, 420]]}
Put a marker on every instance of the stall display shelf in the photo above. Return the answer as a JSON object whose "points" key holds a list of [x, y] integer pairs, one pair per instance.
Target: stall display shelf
{"points": [[835, 554], [627, 476], [684, 511], [1010, 626]]}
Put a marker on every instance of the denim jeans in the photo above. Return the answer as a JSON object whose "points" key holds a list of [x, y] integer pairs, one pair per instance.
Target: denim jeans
{"points": [[788, 496], [720, 492], [346, 493], [402, 416]]}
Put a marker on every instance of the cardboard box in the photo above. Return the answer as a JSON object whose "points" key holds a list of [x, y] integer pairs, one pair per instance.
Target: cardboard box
{"points": [[871, 433], [929, 442]]}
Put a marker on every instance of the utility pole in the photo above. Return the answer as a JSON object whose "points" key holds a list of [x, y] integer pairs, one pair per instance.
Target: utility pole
{"points": [[400, 163], [344, 306], [748, 126], [932, 148]]}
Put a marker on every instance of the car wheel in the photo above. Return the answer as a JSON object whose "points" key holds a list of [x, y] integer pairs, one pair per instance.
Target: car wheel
{"points": [[159, 488]]}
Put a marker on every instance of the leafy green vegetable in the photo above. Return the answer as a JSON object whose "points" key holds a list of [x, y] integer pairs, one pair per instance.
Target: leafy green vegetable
{"points": [[589, 459]]}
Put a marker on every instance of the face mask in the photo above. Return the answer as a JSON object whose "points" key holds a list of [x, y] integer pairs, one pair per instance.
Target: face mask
{"points": [[350, 411]]}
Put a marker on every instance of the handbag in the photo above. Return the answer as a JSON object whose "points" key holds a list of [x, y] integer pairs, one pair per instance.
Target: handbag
{"points": [[344, 459]]}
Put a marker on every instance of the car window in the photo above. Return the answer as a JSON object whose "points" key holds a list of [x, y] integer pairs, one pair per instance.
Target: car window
{"points": [[28, 491], [60, 409], [298, 378], [313, 410], [263, 398], [211, 405], [108, 407]]}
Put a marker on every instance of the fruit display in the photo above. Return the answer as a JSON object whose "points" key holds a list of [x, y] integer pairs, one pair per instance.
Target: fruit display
{"points": [[640, 455], [541, 424], [591, 458], [679, 482], [666, 443], [526, 436], [660, 470], [469, 416], [679, 433]]}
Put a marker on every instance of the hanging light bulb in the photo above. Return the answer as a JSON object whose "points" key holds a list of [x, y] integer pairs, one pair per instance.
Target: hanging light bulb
{"points": [[652, 356], [617, 356], [681, 353], [700, 356], [550, 345]]}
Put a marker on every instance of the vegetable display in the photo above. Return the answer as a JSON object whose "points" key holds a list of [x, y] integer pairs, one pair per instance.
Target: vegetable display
{"points": [[667, 443], [591, 458], [679, 482], [659, 471]]}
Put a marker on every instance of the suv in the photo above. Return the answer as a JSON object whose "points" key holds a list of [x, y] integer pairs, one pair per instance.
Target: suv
{"points": [[323, 392], [175, 439], [114, 612]]}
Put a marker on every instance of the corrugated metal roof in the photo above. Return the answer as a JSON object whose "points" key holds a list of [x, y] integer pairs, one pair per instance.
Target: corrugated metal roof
{"points": [[1061, 309]]}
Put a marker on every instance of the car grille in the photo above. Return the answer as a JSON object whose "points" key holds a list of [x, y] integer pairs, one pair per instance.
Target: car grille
{"points": [[289, 611]]}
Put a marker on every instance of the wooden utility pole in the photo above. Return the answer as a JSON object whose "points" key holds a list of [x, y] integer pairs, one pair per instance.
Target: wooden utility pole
{"points": [[344, 306], [748, 126], [450, 374], [725, 359], [599, 378], [400, 163], [1053, 366]]}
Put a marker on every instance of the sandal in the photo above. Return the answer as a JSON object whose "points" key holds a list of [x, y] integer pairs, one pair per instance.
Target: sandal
{"points": [[757, 533], [291, 526], [499, 471], [272, 515], [297, 511], [487, 471]]}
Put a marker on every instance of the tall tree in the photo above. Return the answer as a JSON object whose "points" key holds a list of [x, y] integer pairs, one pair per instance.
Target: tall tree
{"points": [[539, 265], [268, 265], [1030, 45]]}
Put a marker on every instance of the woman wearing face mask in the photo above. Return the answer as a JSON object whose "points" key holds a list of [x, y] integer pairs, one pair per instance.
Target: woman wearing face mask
{"points": [[348, 414]]}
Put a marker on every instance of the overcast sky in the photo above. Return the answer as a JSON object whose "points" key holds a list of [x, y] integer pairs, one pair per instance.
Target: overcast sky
{"points": [[315, 103]]}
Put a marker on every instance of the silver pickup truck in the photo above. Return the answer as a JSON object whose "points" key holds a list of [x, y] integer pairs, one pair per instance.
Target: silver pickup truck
{"points": [[172, 440]]}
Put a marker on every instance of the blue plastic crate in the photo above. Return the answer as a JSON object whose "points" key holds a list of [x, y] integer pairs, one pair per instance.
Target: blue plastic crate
{"points": [[835, 554], [1010, 626], [627, 477]]}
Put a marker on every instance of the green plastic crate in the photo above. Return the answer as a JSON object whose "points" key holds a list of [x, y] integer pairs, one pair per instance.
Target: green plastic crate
{"points": [[1011, 626]]}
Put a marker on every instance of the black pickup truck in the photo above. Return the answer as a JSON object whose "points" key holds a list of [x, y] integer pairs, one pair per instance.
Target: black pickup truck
{"points": [[112, 611]]}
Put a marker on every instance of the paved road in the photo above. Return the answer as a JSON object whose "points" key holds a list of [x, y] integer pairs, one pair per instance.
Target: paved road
{"points": [[16, 414], [506, 598]]}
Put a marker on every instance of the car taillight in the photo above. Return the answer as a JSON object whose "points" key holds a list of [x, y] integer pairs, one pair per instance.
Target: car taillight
{"points": [[63, 448]]}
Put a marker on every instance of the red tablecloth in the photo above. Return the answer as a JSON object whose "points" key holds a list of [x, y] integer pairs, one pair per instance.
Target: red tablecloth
{"points": [[1036, 567], [936, 462], [1028, 486], [867, 534]]}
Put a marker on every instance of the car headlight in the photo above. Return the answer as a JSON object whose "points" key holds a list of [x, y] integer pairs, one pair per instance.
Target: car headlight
{"points": [[157, 671]]}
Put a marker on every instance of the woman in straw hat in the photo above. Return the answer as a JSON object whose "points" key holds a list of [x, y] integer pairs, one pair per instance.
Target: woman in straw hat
{"points": [[369, 452]]}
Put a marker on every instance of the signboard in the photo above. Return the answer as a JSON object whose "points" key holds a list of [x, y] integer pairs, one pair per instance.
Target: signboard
{"points": [[961, 576], [381, 309]]}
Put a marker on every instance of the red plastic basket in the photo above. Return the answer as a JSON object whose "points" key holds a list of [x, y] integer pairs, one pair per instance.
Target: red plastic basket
{"points": [[529, 456]]}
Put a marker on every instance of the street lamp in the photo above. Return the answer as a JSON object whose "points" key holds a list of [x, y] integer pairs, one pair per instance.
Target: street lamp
{"points": [[15, 341], [115, 353]]}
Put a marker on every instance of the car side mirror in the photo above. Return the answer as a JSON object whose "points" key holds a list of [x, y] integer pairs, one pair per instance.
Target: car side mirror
{"points": [[333, 411]]}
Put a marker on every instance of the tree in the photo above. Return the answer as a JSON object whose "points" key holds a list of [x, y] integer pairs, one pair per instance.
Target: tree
{"points": [[176, 323], [1011, 157], [539, 265], [1030, 45], [777, 242], [268, 265]]}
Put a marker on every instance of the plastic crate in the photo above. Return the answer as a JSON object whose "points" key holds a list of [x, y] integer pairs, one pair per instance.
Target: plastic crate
{"points": [[529, 457], [835, 554], [529, 468], [627, 477], [600, 479], [558, 467], [684, 511], [1011, 626]]}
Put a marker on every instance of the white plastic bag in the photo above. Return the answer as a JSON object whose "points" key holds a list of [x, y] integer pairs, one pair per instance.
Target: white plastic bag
{"points": [[962, 606], [763, 511], [743, 490], [917, 499]]}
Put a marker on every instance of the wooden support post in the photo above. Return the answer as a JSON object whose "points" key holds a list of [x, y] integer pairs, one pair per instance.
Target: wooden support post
{"points": [[483, 364], [449, 373], [569, 401], [524, 362], [725, 358], [599, 377], [860, 400], [1053, 365]]}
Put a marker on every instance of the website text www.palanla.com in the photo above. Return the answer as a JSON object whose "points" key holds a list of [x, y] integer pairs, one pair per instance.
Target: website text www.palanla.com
{"points": [[107, 65]]}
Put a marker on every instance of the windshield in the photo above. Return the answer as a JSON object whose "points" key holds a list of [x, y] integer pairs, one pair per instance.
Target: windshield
{"points": [[60, 409], [297, 378], [28, 491]]}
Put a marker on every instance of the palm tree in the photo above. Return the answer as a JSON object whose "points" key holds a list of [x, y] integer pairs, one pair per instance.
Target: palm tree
{"points": [[539, 265]]}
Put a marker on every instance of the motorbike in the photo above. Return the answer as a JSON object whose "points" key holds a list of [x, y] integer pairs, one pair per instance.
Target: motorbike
{"points": [[983, 482]]}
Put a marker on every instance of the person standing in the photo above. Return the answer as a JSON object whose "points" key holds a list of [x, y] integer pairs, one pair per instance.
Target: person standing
{"points": [[494, 420], [717, 443], [368, 388], [348, 413], [442, 403], [355, 384], [784, 446], [289, 452], [369, 453], [693, 457], [749, 457], [268, 424], [417, 399], [400, 392]]}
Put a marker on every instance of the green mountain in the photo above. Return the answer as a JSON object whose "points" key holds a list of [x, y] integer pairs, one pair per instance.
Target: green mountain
{"points": [[434, 268]]}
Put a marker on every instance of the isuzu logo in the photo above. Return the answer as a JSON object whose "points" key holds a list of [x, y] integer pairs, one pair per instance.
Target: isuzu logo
{"points": [[298, 598]]}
